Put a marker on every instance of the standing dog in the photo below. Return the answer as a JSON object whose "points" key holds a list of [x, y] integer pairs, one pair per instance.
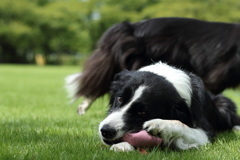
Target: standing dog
{"points": [[168, 103], [209, 49]]}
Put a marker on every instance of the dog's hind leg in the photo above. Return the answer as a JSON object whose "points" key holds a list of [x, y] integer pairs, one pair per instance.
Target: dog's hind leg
{"points": [[86, 103], [72, 85], [227, 117], [236, 127]]}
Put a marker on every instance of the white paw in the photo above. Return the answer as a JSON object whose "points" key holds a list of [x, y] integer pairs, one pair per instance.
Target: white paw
{"points": [[165, 129], [86, 103], [122, 147], [236, 128], [176, 133], [80, 110]]}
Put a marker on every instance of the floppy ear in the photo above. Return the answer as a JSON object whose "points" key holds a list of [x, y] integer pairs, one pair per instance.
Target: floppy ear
{"points": [[119, 80], [116, 85]]}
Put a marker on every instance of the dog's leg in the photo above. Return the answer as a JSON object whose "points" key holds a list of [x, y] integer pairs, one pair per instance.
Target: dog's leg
{"points": [[236, 127], [72, 85], [122, 147], [176, 133], [86, 103]]}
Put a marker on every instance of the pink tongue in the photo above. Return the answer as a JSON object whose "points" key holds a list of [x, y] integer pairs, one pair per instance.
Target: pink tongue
{"points": [[142, 139]]}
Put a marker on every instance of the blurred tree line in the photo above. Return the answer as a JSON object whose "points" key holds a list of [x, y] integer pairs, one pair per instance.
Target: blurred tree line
{"points": [[59, 29]]}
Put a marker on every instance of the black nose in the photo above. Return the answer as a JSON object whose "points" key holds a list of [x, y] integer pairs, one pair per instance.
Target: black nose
{"points": [[108, 132]]}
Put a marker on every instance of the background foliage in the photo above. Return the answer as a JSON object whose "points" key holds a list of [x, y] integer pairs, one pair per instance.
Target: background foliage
{"points": [[56, 28]]}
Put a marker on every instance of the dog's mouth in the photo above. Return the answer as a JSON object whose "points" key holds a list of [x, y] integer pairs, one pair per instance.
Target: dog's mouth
{"points": [[118, 140], [111, 142]]}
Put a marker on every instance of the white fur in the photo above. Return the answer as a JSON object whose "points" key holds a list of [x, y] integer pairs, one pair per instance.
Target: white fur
{"points": [[72, 85], [176, 133], [179, 79], [123, 147], [115, 119], [236, 128], [86, 103]]}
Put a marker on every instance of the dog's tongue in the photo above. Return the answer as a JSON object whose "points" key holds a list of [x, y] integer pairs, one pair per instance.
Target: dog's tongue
{"points": [[142, 139]]}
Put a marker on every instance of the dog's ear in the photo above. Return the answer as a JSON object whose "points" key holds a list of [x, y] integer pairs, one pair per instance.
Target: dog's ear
{"points": [[119, 81], [120, 75]]}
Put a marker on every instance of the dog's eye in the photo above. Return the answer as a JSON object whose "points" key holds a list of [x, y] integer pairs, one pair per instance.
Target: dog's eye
{"points": [[119, 99]]}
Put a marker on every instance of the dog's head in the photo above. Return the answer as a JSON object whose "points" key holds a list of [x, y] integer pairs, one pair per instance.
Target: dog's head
{"points": [[136, 97]]}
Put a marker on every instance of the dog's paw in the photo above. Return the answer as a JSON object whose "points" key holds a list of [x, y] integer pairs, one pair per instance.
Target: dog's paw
{"points": [[165, 129], [236, 128], [86, 103], [80, 110], [153, 127], [122, 147]]}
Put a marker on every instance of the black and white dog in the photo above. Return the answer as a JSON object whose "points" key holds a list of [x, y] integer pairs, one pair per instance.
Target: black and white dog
{"points": [[168, 103], [211, 50]]}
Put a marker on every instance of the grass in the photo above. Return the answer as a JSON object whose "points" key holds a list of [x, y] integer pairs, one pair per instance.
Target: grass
{"points": [[38, 123]]}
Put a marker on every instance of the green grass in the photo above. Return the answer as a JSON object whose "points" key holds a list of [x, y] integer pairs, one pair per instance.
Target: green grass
{"points": [[38, 123]]}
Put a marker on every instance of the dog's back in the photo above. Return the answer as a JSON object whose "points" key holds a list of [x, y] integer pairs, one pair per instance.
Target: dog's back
{"points": [[209, 49]]}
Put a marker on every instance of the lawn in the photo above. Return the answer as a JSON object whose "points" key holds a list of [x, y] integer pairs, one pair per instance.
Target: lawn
{"points": [[37, 122]]}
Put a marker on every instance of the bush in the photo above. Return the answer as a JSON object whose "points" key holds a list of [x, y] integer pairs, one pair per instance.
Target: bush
{"points": [[56, 27]]}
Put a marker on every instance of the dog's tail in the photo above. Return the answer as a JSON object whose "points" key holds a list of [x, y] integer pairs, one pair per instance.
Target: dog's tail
{"points": [[118, 49], [72, 85], [227, 117]]}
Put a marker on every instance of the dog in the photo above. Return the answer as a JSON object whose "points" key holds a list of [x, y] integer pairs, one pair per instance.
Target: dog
{"points": [[168, 103], [209, 49]]}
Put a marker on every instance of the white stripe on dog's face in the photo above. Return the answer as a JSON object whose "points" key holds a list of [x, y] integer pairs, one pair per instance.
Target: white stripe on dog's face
{"points": [[115, 119]]}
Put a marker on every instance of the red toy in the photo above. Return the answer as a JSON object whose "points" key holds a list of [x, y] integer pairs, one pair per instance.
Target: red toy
{"points": [[142, 139]]}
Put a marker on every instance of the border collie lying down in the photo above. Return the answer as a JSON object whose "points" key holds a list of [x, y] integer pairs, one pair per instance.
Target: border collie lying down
{"points": [[168, 103], [209, 49]]}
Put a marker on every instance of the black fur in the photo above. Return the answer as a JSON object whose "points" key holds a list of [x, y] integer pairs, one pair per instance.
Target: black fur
{"points": [[211, 113], [159, 101], [209, 49]]}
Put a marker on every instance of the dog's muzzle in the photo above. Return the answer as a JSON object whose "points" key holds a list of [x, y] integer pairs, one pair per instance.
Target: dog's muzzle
{"points": [[108, 134]]}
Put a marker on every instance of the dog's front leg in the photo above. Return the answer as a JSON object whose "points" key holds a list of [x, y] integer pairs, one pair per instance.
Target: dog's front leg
{"points": [[174, 132], [122, 147]]}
